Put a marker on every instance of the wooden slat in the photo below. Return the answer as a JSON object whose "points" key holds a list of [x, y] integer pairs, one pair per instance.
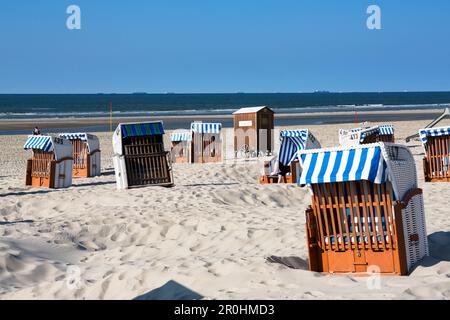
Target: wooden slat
{"points": [[387, 215], [316, 206], [352, 207], [358, 206], [340, 187], [369, 204], [329, 205], [337, 212], [363, 205], [325, 215], [378, 207]]}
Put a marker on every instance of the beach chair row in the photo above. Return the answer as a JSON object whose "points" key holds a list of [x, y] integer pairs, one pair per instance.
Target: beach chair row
{"points": [[55, 160], [366, 212]]}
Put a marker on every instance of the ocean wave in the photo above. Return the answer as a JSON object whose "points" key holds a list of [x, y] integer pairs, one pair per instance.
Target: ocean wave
{"points": [[215, 111]]}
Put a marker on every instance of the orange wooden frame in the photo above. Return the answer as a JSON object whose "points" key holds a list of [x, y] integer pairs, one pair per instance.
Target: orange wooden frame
{"points": [[292, 178], [41, 169], [436, 163], [82, 159], [337, 239]]}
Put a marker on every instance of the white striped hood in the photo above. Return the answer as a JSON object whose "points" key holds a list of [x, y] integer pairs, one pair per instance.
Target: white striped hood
{"points": [[92, 141], [182, 135], [61, 147], [365, 162], [201, 127], [293, 141], [433, 132]]}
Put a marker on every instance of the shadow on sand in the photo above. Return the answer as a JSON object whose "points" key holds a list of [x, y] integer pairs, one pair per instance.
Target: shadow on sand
{"points": [[290, 262], [5, 223], [438, 243], [209, 184], [172, 290], [88, 184], [27, 193]]}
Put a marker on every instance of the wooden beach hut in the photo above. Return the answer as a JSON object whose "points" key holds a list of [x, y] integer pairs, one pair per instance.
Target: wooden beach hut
{"points": [[287, 168], [356, 136], [86, 154], [436, 163], [253, 129], [181, 146], [51, 163], [139, 155], [206, 142], [366, 213]]}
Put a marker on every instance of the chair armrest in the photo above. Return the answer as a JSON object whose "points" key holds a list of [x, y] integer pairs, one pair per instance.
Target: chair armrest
{"points": [[409, 195]]}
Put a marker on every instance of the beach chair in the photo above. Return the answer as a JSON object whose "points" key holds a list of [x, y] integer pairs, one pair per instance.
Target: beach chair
{"points": [[139, 155], [86, 154], [366, 212], [206, 142], [356, 136], [444, 115], [436, 142], [51, 163], [181, 146], [288, 168]]}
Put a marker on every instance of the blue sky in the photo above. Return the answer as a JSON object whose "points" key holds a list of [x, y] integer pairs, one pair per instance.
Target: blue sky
{"points": [[223, 46]]}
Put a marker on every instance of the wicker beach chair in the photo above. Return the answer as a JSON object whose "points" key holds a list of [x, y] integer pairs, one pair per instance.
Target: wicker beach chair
{"points": [[367, 212], [288, 168], [206, 142], [51, 163], [86, 154], [139, 155], [356, 136], [436, 163], [181, 149]]}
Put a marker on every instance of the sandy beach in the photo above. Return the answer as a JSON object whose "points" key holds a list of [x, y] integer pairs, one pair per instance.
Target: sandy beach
{"points": [[211, 234]]}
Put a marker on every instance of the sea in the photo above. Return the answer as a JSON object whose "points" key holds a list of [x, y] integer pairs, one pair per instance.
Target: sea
{"points": [[67, 106], [26, 106]]}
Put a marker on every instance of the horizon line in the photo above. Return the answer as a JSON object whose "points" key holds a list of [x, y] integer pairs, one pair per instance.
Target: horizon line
{"points": [[228, 93]]}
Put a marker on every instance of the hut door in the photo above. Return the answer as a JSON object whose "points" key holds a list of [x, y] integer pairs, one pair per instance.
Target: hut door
{"points": [[247, 143]]}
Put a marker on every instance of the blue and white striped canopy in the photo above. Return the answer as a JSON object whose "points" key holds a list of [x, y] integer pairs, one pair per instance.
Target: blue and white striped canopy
{"points": [[43, 143], [342, 165], [386, 129], [433, 132], [181, 136], [292, 142], [295, 133], [74, 136], [382, 130], [200, 127]]}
